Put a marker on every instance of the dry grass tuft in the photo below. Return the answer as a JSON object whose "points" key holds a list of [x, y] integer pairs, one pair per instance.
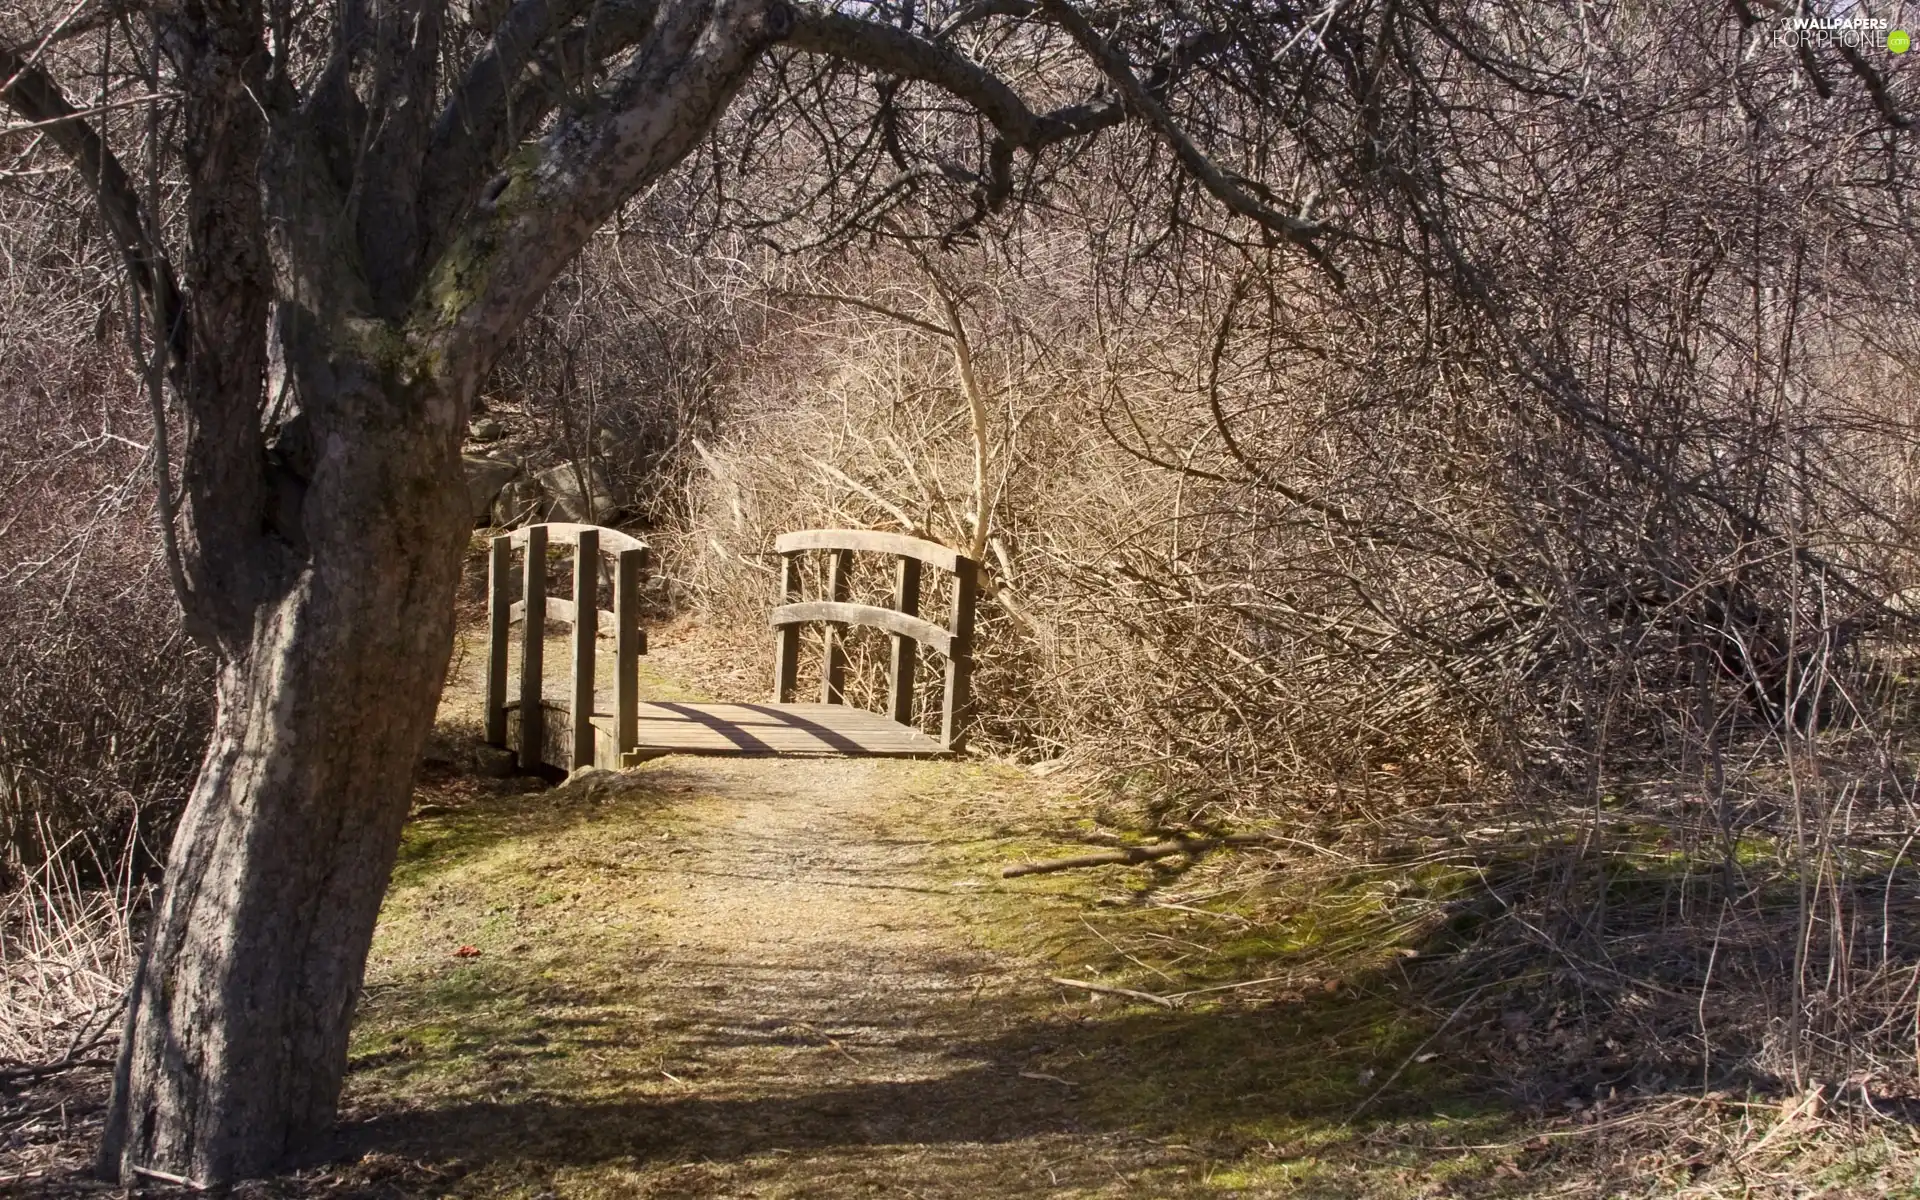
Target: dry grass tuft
{"points": [[67, 950]]}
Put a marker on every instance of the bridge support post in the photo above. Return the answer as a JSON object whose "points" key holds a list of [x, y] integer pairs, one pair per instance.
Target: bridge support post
{"points": [[533, 634], [953, 729], [499, 624], [786, 639], [586, 627], [629, 643], [834, 669], [906, 599]]}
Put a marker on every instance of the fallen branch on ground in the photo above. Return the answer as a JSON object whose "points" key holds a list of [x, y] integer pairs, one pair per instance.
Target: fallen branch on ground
{"points": [[1137, 854], [1109, 990], [19, 1072]]}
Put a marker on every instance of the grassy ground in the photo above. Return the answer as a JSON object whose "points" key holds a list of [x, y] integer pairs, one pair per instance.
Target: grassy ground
{"points": [[806, 979], [731, 978]]}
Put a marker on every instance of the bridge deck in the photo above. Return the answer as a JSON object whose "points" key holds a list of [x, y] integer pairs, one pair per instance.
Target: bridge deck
{"points": [[672, 727], [757, 729]]}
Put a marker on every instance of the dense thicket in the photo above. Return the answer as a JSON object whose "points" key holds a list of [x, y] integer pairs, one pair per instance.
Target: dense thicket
{"points": [[104, 703]]}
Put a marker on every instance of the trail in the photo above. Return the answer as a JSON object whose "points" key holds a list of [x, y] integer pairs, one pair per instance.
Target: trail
{"points": [[723, 977]]}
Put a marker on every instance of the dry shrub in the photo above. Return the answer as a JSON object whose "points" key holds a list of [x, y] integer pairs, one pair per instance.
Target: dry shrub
{"points": [[67, 949], [104, 705], [624, 366]]}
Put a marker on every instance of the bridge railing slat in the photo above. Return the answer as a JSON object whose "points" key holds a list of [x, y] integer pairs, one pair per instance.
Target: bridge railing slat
{"points": [[906, 652], [869, 541], [533, 645], [586, 599], [533, 611], [567, 533], [840, 612], [902, 621]]}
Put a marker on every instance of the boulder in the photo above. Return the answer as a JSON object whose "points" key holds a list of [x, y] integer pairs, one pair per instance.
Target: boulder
{"points": [[518, 503], [485, 478], [485, 429], [569, 502]]}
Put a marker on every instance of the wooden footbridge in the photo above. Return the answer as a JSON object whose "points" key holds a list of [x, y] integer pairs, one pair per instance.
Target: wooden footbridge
{"points": [[614, 728]]}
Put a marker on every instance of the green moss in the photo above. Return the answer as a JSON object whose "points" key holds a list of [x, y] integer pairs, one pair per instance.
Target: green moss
{"points": [[460, 275]]}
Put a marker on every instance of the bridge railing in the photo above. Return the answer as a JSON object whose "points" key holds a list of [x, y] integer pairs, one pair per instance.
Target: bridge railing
{"points": [[902, 621], [588, 621]]}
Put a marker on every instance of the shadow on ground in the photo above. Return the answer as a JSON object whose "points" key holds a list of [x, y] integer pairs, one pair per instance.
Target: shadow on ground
{"points": [[611, 1037]]}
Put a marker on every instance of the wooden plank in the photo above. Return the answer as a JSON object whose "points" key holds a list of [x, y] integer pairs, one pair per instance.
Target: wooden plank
{"points": [[499, 632], [958, 697], [560, 612], [924, 632], [533, 637], [586, 600], [811, 730], [567, 533], [629, 643], [870, 541], [833, 672], [786, 638], [906, 649]]}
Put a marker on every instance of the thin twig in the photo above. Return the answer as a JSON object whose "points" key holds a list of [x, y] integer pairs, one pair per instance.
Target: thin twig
{"points": [[1109, 990]]}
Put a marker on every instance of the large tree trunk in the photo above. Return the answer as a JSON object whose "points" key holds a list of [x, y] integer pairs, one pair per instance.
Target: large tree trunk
{"points": [[236, 1041]]}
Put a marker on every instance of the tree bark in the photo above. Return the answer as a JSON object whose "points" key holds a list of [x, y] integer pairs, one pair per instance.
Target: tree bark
{"points": [[236, 1042]]}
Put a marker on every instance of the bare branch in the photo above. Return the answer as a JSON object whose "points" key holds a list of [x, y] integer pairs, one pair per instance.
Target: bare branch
{"points": [[1139, 100], [32, 93]]}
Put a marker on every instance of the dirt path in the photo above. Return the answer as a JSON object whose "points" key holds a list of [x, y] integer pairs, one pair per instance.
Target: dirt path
{"points": [[791, 978], [717, 978]]}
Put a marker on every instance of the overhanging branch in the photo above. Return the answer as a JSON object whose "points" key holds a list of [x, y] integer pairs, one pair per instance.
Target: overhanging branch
{"points": [[900, 53], [897, 52], [1140, 101]]}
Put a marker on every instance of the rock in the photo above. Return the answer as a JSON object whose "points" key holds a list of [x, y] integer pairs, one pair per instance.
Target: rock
{"points": [[493, 762], [561, 485], [518, 503], [485, 478], [486, 429]]}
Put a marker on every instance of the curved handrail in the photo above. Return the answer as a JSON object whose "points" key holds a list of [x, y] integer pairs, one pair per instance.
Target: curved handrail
{"points": [[924, 632], [567, 533], [873, 542], [902, 620]]}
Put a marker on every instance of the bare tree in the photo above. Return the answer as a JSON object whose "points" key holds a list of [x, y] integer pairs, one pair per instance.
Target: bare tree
{"points": [[375, 195]]}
